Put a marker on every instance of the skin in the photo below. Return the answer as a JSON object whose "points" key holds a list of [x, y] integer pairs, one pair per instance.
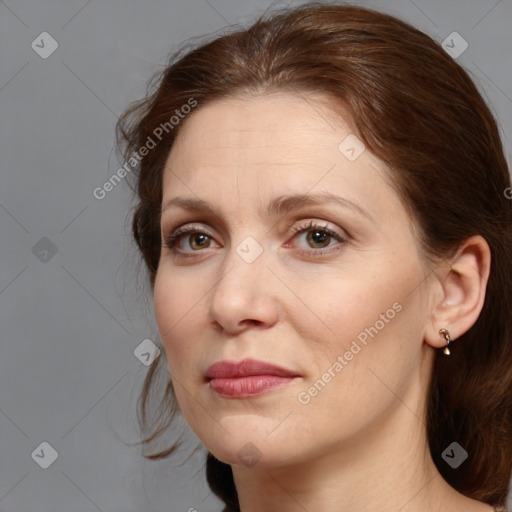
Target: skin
{"points": [[360, 444]]}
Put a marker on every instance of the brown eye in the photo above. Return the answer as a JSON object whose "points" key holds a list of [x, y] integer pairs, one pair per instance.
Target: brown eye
{"points": [[195, 240], [199, 241], [318, 236]]}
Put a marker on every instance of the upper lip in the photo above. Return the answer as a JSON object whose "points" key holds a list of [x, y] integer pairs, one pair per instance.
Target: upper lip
{"points": [[245, 368]]}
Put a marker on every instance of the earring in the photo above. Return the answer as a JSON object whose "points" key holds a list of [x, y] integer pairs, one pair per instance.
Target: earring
{"points": [[446, 335]]}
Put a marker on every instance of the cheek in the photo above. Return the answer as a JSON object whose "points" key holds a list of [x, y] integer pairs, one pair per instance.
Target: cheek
{"points": [[344, 307], [369, 319], [175, 313]]}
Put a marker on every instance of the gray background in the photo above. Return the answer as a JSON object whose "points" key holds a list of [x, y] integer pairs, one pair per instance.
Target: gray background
{"points": [[70, 321]]}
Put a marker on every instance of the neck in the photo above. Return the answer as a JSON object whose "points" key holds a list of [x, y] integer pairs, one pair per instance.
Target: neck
{"points": [[386, 468]]}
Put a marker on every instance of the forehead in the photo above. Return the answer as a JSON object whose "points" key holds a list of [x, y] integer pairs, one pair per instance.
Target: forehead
{"points": [[242, 150], [272, 131], [250, 113]]}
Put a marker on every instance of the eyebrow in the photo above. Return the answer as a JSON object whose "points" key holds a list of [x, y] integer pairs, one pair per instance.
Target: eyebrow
{"points": [[280, 205]]}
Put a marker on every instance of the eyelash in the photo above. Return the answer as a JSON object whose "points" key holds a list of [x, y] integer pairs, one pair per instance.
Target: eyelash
{"points": [[170, 241], [315, 226]]}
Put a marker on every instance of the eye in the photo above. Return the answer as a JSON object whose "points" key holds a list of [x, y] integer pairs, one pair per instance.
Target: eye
{"points": [[319, 237], [196, 239]]}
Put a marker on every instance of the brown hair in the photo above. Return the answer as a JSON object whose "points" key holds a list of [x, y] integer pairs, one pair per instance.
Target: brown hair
{"points": [[420, 113]]}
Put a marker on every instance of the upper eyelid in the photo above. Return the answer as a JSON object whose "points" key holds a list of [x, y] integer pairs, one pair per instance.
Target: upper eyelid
{"points": [[325, 224], [185, 229], [189, 227]]}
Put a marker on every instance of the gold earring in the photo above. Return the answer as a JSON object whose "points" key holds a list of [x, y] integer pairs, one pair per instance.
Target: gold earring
{"points": [[446, 335]]}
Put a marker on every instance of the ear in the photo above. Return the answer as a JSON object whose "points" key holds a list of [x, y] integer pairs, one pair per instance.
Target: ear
{"points": [[463, 284]]}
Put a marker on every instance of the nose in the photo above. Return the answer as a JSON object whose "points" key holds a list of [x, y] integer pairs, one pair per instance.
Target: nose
{"points": [[245, 295]]}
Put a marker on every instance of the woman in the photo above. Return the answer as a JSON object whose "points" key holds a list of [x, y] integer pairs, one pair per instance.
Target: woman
{"points": [[322, 211]]}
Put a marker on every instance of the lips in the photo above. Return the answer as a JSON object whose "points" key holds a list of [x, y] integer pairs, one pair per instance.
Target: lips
{"points": [[247, 379], [246, 368]]}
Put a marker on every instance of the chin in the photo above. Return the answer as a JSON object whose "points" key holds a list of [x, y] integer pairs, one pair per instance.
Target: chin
{"points": [[247, 447]]}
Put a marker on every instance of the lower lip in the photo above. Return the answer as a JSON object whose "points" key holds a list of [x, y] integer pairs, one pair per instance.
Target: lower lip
{"points": [[248, 386]]}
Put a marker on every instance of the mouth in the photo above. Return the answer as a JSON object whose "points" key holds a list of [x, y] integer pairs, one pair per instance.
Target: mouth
{"points": [[247, 378]]}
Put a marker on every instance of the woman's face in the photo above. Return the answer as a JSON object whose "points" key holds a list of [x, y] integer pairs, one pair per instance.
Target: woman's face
{"points": [[257, 276]]}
